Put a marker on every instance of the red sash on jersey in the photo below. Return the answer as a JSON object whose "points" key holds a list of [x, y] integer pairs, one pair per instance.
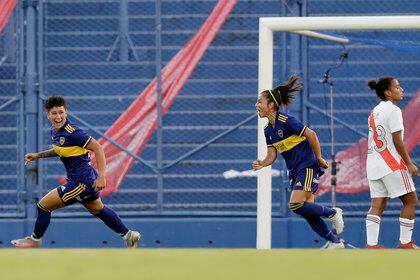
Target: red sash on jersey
{"points": [[385, 154]]}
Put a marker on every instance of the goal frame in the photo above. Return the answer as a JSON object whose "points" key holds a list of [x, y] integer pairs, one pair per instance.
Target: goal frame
{"points": [[303, 26]]}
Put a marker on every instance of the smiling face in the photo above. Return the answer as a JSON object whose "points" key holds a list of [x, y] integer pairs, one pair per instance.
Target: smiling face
{"points": [[395, 92], [263, 106], [58, 116]]}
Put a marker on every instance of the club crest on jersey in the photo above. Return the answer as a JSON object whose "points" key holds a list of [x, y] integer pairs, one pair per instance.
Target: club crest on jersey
{"points": [[280, 133], [62, 140]]}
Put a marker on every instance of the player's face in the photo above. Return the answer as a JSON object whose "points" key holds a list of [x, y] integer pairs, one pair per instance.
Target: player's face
{"points": [[395, 91], [262, 105], [57, 116]]}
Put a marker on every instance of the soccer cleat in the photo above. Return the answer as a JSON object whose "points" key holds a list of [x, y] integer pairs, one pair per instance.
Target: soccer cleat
{"points": [[337, 220], [131, 238], [27, 242], [409, 245], [374, 247], [334, 246]]}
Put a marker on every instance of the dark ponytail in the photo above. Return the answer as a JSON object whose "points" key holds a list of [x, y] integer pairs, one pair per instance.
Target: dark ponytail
{"points": [[380, 86], [284, 94]]}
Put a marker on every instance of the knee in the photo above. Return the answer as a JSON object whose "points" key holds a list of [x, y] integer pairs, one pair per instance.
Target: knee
{"points": [[295, 206], [42, 208], [411, 203], [96, 211]]}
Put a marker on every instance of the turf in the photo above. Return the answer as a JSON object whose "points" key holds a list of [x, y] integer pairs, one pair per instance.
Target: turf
{"points": [[213, 264]]}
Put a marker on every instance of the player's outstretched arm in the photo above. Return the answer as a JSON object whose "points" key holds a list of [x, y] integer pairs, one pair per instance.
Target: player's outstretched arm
{"points": [[44, 154], [100, 182], [269, 159], [399, 145], [315, 146]]}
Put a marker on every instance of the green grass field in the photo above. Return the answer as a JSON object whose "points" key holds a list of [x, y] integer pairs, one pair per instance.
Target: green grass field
{"points": [[212, 264]]}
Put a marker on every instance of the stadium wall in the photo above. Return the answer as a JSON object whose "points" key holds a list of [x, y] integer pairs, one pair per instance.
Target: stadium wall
{"points": [[193, 233]]}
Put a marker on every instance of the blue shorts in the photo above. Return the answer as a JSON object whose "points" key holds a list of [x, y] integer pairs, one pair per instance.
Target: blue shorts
{"points": [[306, 180], [73, 192]]}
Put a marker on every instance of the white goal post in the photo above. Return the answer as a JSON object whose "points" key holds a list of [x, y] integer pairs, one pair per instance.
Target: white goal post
{"points": [[303, 26]]}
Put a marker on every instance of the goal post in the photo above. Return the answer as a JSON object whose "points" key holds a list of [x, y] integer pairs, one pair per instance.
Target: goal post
{"points": [[303, 26]]}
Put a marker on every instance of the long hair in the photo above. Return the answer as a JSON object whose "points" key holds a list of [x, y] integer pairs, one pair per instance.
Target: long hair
{"points": [[380, 86], [284, 94]]}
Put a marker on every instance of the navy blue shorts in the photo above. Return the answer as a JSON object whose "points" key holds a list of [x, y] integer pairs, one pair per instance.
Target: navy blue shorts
{"points": [[73, 192], [307, 180]]}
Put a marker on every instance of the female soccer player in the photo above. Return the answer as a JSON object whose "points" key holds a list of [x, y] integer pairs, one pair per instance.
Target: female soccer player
{"points": [[71, 144], [300, 148], [388, 163]]}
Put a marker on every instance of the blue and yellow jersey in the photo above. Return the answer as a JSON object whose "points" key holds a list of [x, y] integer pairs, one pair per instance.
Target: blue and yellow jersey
{"points": [[287, 137], [70, 143]]}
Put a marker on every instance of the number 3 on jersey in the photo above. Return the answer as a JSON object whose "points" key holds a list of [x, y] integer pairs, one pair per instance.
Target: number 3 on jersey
{"points": [[377, 134]]}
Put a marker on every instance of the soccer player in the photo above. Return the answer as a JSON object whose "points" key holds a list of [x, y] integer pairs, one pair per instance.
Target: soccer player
{"points": [[71, 144], [389, 167], [300, 148]]}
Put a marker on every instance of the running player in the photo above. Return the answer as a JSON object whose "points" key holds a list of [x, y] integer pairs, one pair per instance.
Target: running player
{"points": [[300, 148], [389, 166], [71, 144]]}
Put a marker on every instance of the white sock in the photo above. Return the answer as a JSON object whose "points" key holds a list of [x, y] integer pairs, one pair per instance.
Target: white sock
{"points": [[125, 235], [373, 224], [35, 239], [406, 230]]}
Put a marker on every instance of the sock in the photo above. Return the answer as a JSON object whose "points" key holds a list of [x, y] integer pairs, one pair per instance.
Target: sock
{"points": [[111, 219], [320, 227], [406, 230], [311, 209], [42, 222], [373, 224]]}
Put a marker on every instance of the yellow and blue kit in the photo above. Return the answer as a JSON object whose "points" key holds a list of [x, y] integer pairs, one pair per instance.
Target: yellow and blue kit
{"points": [[70, 144], [287, 137]]}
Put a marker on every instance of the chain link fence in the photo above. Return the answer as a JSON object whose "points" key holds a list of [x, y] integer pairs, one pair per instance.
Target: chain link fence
{"points": [[11, 124], [100, 55]]}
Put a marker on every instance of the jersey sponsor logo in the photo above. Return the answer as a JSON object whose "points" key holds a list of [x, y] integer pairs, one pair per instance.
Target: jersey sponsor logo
{"points": [[280, 133], [69, 151], [62, 140], [288, 143]]}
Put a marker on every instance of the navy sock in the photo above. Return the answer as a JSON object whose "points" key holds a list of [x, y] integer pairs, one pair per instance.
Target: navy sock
{"points": [[311, 209], [42, 222], [320, 227], [111, 219]]}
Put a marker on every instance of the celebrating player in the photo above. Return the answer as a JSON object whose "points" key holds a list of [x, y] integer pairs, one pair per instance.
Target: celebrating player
{"points": [[300, 148], [71, 144]]}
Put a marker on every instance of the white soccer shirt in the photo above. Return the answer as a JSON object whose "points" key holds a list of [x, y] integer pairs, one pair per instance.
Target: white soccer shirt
{"points": [[382, 157]]}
